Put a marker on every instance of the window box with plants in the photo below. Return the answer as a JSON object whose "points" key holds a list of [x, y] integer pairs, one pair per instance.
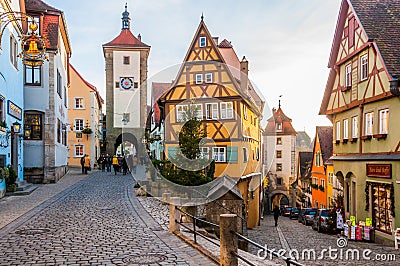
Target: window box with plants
{"points": [[314, 186], [322, 188], [87, 131]]}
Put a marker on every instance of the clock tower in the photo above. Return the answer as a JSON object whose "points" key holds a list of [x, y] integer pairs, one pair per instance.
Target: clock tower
{"points": [[126, 92]]}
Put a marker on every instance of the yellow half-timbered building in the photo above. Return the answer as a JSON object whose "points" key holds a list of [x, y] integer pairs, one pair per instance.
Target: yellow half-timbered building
{"points": [[213, 79]]}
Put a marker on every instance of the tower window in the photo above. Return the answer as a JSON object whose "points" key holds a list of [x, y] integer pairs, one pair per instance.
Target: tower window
{"points": [[126, 60]]}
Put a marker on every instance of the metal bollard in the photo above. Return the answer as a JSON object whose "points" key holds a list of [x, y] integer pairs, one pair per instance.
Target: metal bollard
{"points": [[228, 241]]}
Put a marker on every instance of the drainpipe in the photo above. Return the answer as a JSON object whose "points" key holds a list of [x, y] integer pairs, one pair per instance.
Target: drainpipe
{"points": [[360, 127]]}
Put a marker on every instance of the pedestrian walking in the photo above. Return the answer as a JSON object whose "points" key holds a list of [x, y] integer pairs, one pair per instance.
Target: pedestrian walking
{"points": [[115, 164], [124, 166], [83, 164], [276, 214], [87, 163], [108, 160], [101, 162]]}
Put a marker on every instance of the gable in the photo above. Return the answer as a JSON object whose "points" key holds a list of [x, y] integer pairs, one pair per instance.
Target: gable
{"points": [[358, 73]]}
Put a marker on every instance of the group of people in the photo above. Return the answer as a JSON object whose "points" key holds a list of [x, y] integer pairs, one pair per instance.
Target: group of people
{"points": [[119, 163], [85, 164]]}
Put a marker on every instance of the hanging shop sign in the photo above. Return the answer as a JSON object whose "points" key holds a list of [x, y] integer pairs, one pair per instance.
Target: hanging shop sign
{"points": [[14, 110], [379, 170]]}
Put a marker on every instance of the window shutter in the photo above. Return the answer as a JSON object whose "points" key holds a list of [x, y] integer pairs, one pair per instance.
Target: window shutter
{"points": [[172, 151], [232, 154]]}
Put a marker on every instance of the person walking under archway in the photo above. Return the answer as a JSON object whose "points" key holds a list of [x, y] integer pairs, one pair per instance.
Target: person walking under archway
{"points": [[277, 212]]}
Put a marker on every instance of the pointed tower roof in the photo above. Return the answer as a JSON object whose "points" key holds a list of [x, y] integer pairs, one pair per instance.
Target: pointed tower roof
{"points": [[126, 37], [279, 117]]}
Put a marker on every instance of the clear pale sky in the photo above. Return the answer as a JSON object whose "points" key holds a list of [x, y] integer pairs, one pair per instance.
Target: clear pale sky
{"points": [[287, 42]]}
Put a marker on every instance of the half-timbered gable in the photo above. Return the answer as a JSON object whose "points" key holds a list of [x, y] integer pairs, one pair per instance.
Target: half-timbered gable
{"points": [[361, 100], [214, 81]]}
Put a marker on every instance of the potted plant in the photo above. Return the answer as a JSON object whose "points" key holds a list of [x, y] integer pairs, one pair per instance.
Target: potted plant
{"points": [[87, 131], [10, 180], [3, 126]]}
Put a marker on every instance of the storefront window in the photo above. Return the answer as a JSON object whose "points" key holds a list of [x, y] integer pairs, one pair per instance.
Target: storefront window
{"points": [[382, 202]]}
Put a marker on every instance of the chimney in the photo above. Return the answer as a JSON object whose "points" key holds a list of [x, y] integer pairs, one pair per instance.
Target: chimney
{"points": [[244, 72], [139, 37], [215, 40]]}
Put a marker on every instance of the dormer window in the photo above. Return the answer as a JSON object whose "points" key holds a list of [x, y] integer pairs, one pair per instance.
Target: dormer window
{"points": [[279, 127], [202, 41]]}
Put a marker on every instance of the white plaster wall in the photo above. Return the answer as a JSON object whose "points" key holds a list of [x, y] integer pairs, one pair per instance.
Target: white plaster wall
{"points": [[126, 101], [286, 160]]}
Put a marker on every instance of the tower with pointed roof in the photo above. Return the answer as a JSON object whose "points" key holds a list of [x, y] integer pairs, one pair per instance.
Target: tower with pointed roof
{"points": [[126, 95], [279, 141]]}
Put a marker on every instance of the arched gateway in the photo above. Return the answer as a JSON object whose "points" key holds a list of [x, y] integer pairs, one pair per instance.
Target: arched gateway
{"points": [[126, 93]]}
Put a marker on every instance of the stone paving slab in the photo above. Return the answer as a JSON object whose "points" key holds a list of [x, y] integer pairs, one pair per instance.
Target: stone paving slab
{"points": [[97, 221]]}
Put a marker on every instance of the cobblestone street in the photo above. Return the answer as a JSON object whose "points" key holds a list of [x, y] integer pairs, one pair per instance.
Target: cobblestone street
{"points": [[96, 221], [292, 235]]}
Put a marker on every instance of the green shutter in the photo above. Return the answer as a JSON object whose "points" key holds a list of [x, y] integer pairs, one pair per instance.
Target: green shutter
{"points": [[232, 154], [172, 151]]}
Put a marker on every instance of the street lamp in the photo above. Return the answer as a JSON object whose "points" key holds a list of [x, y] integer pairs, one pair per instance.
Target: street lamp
{"points": [[16, 127], [33, 47]]}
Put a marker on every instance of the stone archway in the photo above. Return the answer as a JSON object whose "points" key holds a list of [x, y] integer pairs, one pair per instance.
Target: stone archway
{"points": [[280, 199], [124, 138]]}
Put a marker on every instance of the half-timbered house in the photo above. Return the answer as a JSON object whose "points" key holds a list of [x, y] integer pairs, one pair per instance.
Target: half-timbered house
{"points": [[213, 79], [361, 100]]}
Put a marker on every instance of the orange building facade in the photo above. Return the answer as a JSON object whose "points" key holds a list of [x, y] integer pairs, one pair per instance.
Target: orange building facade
{"points": [[84, 110]]}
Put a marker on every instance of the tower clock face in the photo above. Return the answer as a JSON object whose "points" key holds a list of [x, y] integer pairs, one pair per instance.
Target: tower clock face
{"points": [[127, 83]]}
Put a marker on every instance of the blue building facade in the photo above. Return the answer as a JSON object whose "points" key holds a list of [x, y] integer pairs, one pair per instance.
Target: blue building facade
{"points": [[11, 97]]}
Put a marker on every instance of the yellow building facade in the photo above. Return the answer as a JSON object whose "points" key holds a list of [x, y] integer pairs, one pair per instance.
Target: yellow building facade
{"points": [[213, 80], [84, 112]]}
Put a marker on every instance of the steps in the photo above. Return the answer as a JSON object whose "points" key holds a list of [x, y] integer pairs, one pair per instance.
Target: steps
{"points": [[24, 188]]}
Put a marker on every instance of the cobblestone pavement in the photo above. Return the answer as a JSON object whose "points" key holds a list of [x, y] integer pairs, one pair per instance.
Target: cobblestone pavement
{"points": [[97, 221], [291, 235], [13, 207]]}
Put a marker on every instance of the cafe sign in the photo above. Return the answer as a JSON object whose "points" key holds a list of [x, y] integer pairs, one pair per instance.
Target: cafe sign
{"points": [[379, 170], [14, 110]]}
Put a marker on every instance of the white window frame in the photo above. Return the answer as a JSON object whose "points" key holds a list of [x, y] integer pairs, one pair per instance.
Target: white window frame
{"points": [[337, 131], [213, 109], [202, 41], [82, 103], [204, 153], [348, 75], [245, 112], [278, 126], [83, 150], [14, 51], [180, 110], [226, 113], [384, 121], [364, 67], [217, 152], [199, 114], [79, 128], [354, 127], [199, 78], [208, 77], [369, 123], [345, 128]]}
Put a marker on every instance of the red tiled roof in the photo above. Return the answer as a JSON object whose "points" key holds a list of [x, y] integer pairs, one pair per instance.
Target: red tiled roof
{"points": [[279, 117], [158, 89], [92, 87], [126, 38], [38, 5], [225, 44], [381, 22], [325, 136]]}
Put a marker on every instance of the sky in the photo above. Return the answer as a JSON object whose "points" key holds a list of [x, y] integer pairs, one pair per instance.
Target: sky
{"points": [[287, 42]]}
